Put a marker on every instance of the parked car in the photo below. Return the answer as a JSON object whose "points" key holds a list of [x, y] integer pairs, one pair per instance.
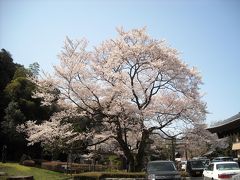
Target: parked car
{"points": [[205, 162], [195, 167], [221, 170], [162, 170], [236, 177], [218, 159]]}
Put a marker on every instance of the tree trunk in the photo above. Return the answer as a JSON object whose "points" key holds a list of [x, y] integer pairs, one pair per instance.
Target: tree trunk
{"points": [[131, 166], [142, 151], [128, 155], [135, 162], [126, 149]]}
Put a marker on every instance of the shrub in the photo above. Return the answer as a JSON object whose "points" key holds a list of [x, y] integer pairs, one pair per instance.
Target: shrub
{"points": [[23, 158], [74, 167], [38, 162], [85, 178], [102, 175], [53, 166], [28, 163], [20, 178]]}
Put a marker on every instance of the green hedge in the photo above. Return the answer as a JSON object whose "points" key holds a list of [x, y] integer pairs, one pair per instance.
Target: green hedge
{"points": [[53, 166], [101, 175], [28, 163]]}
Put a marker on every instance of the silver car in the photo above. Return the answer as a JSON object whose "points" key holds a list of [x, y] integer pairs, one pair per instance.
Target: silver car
{"points": [[162, 170]]}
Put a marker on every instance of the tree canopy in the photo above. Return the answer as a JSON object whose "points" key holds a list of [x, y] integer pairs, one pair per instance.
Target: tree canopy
{"points": [[17, 104], [129, 87]]}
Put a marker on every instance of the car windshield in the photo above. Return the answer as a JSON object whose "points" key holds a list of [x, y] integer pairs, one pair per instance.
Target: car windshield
{"points": [[197, 164], [228, 166], [161, 166]]}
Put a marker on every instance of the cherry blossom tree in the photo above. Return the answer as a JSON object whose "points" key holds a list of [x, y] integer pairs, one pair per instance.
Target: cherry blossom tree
{"points": [[198, 140], [129, 87]]}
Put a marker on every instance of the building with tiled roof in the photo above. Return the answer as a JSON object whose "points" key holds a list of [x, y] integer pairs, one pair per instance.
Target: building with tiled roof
{"points": [[229, 127]]}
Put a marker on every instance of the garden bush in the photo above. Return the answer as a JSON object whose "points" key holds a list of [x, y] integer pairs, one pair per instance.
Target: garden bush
{"points": [[28, 163], [53, 166], [38, 162], [102, 175], [23, 158], [74, 167]]}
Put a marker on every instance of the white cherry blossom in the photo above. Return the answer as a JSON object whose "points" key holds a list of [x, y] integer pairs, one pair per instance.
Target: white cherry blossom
{"points": [[129, 87]]}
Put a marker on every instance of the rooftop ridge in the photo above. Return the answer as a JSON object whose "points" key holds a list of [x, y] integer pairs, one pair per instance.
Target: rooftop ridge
{"points": [[226, 121]]}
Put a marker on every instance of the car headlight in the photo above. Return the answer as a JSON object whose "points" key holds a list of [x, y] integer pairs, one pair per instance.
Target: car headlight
{"points": [[151, 176]]}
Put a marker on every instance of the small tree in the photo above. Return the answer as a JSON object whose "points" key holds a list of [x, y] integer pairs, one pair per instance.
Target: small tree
{"points": [[34, 69], [13, 117], [129, 88], [198, 140]]}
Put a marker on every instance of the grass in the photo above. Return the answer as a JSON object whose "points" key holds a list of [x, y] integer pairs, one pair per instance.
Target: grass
{"points": [[14, 169]]}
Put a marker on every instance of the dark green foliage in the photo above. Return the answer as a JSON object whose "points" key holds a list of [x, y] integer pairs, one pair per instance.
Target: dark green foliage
{"points": [[13, 117], [80, 124], [19, 88], [17, 106], [21, 72], [7, 68]]}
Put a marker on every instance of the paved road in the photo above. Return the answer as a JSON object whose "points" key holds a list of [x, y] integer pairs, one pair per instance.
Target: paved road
{"points": [[194, 178]]}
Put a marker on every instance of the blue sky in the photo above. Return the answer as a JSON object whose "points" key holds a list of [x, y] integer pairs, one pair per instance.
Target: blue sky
{"points": [[206, 32]]}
